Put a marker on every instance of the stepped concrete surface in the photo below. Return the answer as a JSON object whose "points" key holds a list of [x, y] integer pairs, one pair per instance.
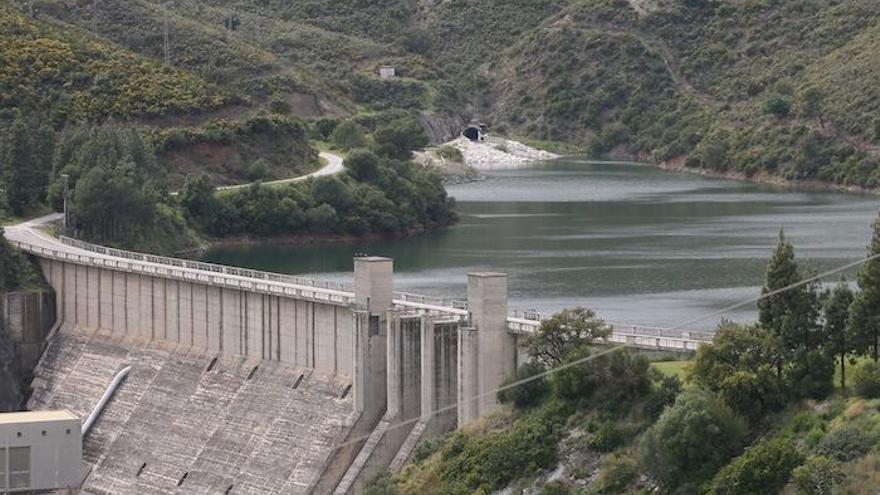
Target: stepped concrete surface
{"points": [[187, 422]]}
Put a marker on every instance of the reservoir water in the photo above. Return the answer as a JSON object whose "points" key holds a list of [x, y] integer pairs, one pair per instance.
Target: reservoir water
{"points": [[636, 244]]}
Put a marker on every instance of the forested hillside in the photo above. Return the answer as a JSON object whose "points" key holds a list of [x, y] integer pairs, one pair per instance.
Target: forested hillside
{"points": [[777, 88]]}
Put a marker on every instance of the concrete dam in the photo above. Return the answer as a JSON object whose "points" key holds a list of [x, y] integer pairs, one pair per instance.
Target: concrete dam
{"points": [[252, 382]]}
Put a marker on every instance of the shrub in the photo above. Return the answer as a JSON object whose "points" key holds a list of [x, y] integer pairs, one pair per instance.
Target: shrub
{"points": [[817, 476], [488, 462], [866, 380], [381, 485], [258, 170], [609, 380], [347, 135], [845, 444], [666, 389], [450, 153], [811, 375], [763, 468], [607, 437], [616, 472], [279, 106], [557, 487], [528, 394], [691, 440], [325, 126], [779, 106], [426, 449], [398, 139]]}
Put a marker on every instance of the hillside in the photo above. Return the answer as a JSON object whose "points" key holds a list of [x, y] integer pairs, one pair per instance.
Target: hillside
{"points": [[778, 89]]}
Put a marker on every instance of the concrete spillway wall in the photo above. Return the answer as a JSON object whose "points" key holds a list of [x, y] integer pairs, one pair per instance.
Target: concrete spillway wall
{"points": [[26, 319], [230, 322]]}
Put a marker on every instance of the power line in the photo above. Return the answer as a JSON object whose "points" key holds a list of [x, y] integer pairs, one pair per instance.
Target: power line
{"points": [[616, 348]]}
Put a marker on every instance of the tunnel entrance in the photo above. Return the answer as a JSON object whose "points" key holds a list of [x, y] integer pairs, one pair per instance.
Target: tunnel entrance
{"points": [[474, 133]]}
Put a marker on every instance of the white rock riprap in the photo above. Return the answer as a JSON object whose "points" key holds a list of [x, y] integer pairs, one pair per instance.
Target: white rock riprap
{"points": [[498, 153]]}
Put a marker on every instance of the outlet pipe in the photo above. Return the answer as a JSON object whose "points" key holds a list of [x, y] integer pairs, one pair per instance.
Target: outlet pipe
{"points": [[102, 402]]}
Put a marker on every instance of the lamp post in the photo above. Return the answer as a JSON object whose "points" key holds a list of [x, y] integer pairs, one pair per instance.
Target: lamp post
{"points": [[66, 179]]}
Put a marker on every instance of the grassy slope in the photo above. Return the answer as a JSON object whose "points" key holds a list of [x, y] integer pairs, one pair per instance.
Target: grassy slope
{"points": [[73, 77]]}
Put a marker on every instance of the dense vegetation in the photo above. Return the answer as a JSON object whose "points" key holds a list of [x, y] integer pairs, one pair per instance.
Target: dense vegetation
{"points": [[758, 412], [70, 77], [376, 195], [754, 88]]}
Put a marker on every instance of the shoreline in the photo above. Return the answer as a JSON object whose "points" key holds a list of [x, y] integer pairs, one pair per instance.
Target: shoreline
{"points": [[762, 178]]}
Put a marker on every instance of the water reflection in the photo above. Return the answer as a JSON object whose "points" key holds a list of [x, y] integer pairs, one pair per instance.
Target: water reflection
{"points": [[637, 244]]}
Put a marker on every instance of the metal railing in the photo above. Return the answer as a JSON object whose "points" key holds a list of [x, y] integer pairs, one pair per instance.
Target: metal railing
{"points": [[519, 321], [186, 271], [205, 267], [431, 300]]}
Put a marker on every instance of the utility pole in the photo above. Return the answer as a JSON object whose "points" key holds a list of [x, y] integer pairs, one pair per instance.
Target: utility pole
{"points": [[166, 44], [95, 16]]}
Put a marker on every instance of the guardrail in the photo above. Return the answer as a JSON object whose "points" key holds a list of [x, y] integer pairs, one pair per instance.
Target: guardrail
{"points": [[206, 267], [431, 300], [519, 321], [186, 272]]}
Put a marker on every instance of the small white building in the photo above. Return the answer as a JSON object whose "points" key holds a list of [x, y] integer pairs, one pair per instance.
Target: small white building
{"points": [[40, 450], [387, 72]]}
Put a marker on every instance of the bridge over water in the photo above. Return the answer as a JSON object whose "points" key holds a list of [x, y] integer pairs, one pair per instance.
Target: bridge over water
{"points": [[400, 356]]}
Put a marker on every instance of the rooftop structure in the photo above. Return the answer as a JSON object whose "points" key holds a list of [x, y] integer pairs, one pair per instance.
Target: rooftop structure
{"points": [[40, 450]]}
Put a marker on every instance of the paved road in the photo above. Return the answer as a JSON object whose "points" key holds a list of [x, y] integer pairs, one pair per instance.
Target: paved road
{"points": [[333, 166]]}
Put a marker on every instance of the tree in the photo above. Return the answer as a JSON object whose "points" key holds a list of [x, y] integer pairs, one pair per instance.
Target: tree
{"points": [[793, 313], [527, 394], [810, 104], [198, 200], [763, 468], [10, 266], [817, 476], [867, 380], [363, 165], [25, 161], [400, 138], [836, 315], [691, 440], [778, 106], [417, 40], [744, 365], [334, 192], [566, 330], [347, 135], [864, 320], [610, 380], [117, 183]]}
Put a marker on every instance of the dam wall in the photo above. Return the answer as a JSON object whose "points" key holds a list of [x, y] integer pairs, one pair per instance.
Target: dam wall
{"points": [[207, 315]]}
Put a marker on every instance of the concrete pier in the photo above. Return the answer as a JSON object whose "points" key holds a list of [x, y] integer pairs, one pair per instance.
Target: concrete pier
{"points": [[488, 350]]}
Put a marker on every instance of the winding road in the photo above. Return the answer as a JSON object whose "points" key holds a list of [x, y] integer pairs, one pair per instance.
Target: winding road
{"points": [[333, 166]]}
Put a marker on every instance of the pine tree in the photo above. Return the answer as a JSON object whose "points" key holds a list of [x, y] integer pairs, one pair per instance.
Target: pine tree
{"points": [[25, 161], [864, 320], [836, 315], [791, 314]]}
